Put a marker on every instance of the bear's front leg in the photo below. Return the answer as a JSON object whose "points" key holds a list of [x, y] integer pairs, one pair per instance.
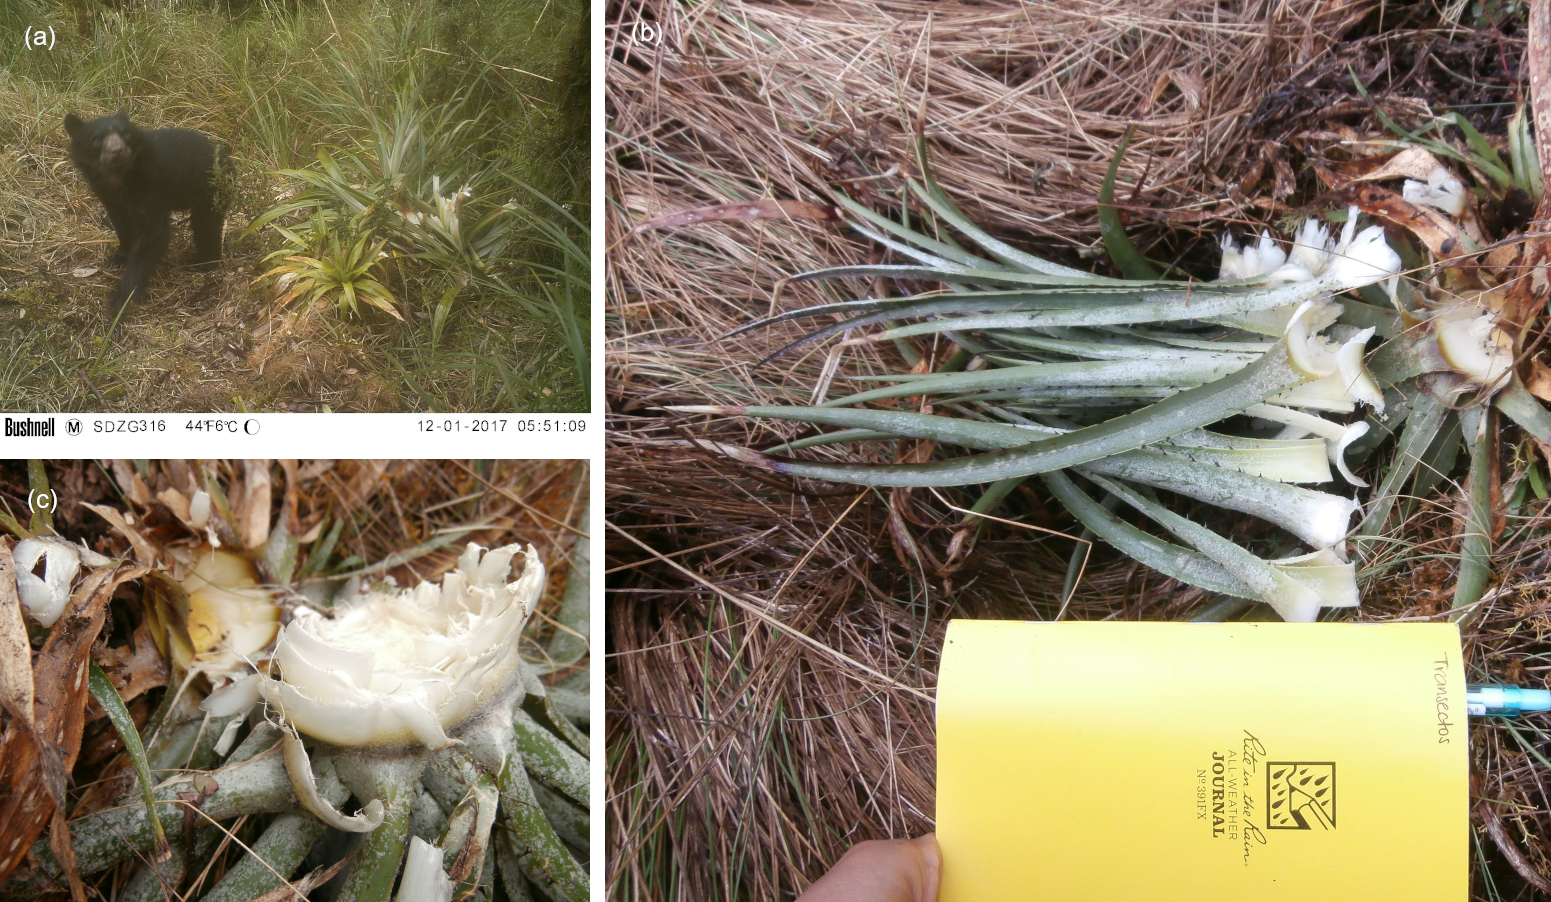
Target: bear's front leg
{"points": [[124, 228], [145, 254]]}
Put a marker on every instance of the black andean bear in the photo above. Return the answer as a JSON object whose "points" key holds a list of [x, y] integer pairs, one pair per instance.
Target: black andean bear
{"points": [[141, 177]]}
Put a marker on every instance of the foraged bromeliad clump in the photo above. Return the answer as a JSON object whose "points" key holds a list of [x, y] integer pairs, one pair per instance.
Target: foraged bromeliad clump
{"points": [[1243, 393], [387, 199], [305, 687]]}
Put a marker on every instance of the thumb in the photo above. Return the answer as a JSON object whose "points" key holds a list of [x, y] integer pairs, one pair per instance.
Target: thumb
{"points": [[931, 867]]}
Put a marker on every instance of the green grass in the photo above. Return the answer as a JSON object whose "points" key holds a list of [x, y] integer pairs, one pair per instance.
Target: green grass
{"points": [[488, 93]]}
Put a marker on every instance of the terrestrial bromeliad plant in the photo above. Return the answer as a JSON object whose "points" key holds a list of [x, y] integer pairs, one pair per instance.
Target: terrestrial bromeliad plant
{"points": [[1243, 393], [305, 682], [317, 267], [387, 199]]}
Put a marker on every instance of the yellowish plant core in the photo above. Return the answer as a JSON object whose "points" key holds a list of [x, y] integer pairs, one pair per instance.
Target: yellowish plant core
{"points": [[227, 605]]}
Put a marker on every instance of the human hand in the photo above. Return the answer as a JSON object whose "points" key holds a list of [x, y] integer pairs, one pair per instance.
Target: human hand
{"points": [[882, 870]]}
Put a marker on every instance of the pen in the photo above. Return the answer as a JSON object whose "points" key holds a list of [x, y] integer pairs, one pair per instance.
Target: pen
{"points": [[1499, 700]]}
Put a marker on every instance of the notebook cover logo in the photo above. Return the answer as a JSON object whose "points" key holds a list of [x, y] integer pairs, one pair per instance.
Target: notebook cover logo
{"points": [[1302, 795]]}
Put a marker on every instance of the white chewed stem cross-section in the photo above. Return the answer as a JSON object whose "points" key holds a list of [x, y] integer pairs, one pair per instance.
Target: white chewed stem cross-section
{"points": [[400, 671], [404, 668]]}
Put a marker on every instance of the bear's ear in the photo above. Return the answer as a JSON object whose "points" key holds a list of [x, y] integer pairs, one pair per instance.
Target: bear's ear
{"points": [[121, 115], [73, 124]]}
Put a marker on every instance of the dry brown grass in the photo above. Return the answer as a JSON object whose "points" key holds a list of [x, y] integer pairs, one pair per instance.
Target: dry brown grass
{"points": [[744, 758]]}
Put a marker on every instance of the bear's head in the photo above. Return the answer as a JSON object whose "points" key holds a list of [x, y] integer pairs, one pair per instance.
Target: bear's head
{"points": [[104, 148]]}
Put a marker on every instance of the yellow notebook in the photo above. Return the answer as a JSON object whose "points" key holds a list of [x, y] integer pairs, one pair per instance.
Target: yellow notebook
{"points": [[1097, 762]]}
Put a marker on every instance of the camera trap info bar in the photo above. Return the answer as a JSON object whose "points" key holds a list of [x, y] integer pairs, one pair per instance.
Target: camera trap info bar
{"points": [[1179, 762]]}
